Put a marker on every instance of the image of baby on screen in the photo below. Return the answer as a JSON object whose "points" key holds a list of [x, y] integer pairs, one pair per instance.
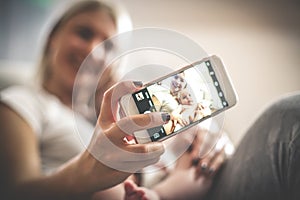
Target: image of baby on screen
{"points": [[175, 97], [188, 111]]}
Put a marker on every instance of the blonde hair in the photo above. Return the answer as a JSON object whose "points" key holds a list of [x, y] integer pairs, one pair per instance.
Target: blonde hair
{"points": [[77, 8]]}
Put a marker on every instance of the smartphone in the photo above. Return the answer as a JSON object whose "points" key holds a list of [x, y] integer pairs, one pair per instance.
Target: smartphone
{"points": [[190, 95]]}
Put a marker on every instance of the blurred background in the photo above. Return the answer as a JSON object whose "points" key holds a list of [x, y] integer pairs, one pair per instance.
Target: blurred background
{"points": [[259, 42]]}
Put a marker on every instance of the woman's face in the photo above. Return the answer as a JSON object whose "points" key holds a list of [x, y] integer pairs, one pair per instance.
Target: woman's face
{"points": [[72, 43]]}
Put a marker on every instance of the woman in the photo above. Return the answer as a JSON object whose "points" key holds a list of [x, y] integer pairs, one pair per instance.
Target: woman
{"points": [[40, 157]]}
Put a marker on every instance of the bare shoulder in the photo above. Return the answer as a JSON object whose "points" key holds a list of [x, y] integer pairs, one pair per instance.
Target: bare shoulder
{"points": [[19, 154], [10, 120]]}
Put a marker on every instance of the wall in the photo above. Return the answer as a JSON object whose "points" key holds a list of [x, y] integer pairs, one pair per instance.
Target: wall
{"points": [[259, 42]]}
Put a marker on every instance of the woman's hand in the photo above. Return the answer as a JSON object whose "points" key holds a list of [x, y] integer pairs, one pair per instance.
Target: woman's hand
{"points": [[109, 160]]}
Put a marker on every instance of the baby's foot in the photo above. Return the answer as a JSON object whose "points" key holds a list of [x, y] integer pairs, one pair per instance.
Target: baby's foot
{"points": [[134, 192]]}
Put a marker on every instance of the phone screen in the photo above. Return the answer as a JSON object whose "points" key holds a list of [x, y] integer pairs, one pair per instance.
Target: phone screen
{"points": [[189, 96]]}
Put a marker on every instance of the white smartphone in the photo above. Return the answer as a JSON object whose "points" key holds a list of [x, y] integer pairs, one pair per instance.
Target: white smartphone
{"points": [[190, 95]]}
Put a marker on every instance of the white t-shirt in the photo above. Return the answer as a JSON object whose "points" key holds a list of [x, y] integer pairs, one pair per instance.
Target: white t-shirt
{"points": [[61, 135]]}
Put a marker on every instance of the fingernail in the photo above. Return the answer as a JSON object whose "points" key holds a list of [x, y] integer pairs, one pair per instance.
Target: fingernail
{"points": [[190, 149], [211, 170], [138, 83], [165, 117], [195, 161], [203, 166]]}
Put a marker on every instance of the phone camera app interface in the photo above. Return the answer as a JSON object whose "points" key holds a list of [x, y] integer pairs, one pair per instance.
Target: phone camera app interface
{"points": [[145, 105]]}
